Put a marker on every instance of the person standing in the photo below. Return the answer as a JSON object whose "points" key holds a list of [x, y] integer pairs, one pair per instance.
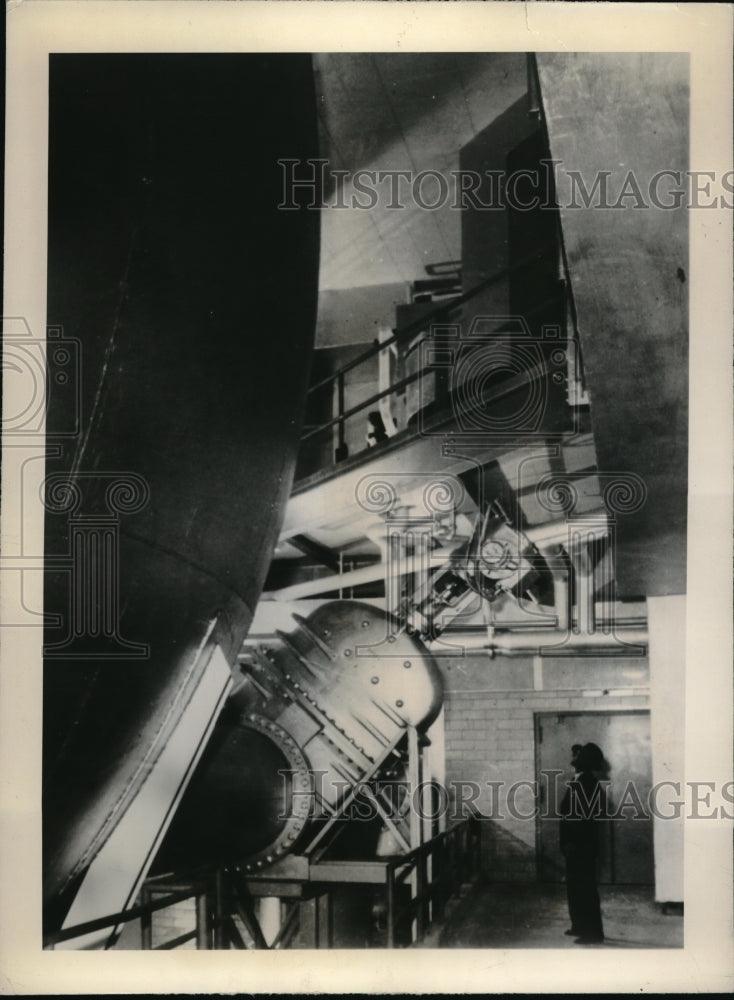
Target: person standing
{"points": [[581, 810]]}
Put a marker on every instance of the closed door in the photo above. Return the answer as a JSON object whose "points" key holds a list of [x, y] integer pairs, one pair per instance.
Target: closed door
{"points": [[626, 839]]}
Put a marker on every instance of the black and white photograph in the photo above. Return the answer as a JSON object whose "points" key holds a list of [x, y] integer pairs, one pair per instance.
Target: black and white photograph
{"points": [[359, 488]]}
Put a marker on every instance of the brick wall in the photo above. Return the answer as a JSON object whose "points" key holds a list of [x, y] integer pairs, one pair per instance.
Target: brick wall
{"points": [[490, 711]]}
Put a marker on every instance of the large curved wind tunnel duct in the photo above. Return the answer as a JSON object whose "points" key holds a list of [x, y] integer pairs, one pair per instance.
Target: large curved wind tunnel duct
{"points": [[618, 122], [191, 300]]}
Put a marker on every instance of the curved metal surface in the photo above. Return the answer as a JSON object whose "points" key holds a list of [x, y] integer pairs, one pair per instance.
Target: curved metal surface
{"points": [[334, 696], [629, 280], [186, 290]]}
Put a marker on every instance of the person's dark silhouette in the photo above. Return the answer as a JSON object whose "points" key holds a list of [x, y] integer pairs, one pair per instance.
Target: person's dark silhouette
{"points": [[581, 810], [376, 429]]}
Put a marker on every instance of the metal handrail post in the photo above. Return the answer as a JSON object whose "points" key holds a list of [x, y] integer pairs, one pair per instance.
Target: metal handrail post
{"points": [[440, 882], [203, 924], [420, 895], [390, 901], [146, 923], [342, 451], [219, 935]]}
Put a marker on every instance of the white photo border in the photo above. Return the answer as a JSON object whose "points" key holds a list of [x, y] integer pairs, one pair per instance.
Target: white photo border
{"points": [[36, 28]]}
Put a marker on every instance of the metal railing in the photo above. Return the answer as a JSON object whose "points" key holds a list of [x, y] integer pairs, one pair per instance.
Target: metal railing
{"points": [[224, 907], [447, 860], [143, 910], [444, 311]]}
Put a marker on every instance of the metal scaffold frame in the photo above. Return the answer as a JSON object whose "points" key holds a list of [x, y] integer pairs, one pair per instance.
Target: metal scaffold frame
{"points": [[262, 910]]}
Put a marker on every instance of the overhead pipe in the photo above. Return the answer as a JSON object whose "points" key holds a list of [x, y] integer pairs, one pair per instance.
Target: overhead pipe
{"points": [[391, 561], [560, 569], [583, 572], [352, 578], [515, 644], [609, 622], [595, 526], [326, 584], [558, 542], [526, 643]]}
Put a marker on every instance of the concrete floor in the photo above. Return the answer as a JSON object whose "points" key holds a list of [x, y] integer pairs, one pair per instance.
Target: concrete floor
{"points": [[534, 915]]}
